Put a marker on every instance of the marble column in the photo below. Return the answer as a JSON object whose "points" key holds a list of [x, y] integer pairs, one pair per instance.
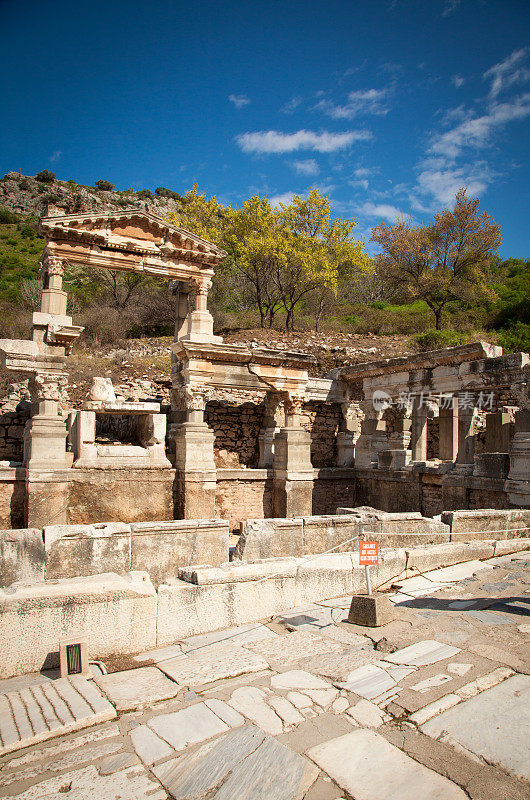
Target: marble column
{"points": [[399, 455], [293, 472], [45, 433], [518, 483], [448, 430], [418, 439], [349, 432], [467, 415], [271, 426], [54, 299], [194, 460], [373, 438], [200, 321]]}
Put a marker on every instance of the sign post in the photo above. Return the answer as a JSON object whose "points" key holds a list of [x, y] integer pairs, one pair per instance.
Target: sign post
{"points": [[368, 555]]}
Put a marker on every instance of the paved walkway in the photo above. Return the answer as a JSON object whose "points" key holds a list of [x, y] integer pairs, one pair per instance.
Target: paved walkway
{"points": [[432, 705]]}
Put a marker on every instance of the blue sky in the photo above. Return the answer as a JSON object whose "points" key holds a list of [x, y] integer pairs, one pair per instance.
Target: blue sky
{"points": [[387, 106]]}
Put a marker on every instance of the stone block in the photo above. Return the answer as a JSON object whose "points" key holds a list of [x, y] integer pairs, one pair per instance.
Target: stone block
{"points": [[423, 559], [510, 522], [115, 614], [161, 548], [371, 610], [21, 556], [270, 538], [76, 550], [492, 465]]}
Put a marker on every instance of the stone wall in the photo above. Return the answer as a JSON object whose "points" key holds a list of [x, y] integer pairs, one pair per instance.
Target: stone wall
{"points": [[71, 551], [236, 431], [243, 494], [322, 420], [333, 488], [12, 425], [12, 498]]}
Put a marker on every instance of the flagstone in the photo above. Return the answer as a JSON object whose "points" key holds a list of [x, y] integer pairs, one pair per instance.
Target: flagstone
{"points": [[188, 726], [137, 688], [212, 664]]}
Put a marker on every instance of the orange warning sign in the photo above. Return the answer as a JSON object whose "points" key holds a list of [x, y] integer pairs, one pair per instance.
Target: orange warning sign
{"points": [[368, 553]]}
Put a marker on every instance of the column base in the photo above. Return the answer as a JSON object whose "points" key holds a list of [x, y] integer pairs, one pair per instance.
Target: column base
{"points": [[292, 496], [45, 443], [195, 495]]}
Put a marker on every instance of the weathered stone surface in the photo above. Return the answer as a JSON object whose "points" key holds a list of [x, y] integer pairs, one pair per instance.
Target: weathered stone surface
{"points": [[251, 701], [21, 556], [149, 747], [161, 548], [189, 726], [87, 784], [371, 611], [513, 522], [50, 709], [494, 725], [270, 538], [212, 664], [75, 550], [293, 646], [298, 679], [114, 614], [245, 764], [136, 688], [369, 681], [339, 665], [369, 767], [422, 653]]}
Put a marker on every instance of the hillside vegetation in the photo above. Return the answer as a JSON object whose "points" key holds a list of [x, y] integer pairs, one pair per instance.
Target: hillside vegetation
{"points": [[292, 268]]}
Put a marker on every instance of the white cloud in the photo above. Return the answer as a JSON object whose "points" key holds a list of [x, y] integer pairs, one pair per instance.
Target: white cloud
{"points": [[284, 198], [381, 210], [363, 101], [450, 6], [55, 156], [457, 81], [443, 184], [278, 142], [475, 132], [362, 172], [291, 105], [360, 184], [307, 167], [508, 72], [239, 100]]}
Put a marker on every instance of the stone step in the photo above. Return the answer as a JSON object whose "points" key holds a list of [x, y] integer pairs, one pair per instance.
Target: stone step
{"points": [[41, 711]]}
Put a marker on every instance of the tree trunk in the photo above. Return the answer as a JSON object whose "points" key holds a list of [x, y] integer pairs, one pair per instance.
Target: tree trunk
{"points": [[438, 317]]}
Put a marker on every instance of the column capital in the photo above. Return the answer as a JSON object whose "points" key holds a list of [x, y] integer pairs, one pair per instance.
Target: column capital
{"points": [[51, 265]]}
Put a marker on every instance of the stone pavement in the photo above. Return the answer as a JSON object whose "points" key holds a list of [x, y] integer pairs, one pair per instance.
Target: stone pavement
{"points": [[307, 706]]}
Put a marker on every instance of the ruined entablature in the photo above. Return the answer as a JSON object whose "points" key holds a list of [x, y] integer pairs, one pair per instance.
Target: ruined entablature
{"points": [[130, 240]]}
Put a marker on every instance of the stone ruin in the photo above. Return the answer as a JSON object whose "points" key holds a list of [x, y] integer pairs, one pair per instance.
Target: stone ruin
{"points": [[427, 451]]}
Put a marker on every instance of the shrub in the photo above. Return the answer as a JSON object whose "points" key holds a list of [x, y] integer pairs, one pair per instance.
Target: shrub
{"points": [[145, 194], [515, 339], [7, 217], [437, 340], [45, 176], [24, 183], [161, 191], [104, 186]]}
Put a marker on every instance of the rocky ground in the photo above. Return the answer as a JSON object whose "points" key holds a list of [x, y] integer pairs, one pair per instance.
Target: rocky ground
{"points": [[433, 705]]}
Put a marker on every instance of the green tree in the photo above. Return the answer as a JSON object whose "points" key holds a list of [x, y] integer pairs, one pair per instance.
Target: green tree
{"points": [[445, 261]]}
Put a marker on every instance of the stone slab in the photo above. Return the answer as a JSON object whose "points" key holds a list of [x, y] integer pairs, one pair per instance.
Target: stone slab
{"points": [[39, 712], [370, 768], [293, 646], [252, 702], [371, 611], [494, 725], [189, 726], [422, 653], [239, 634], [137, 688], [212, 664], [87, 784], [245, 764], [149, 747], [339, 665], [21, 556]]}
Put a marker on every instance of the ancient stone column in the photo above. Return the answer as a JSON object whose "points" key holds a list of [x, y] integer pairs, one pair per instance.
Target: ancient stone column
{"points": [[53, 299], [500, 428], [518, 483], [270, 427], [194, 460], [398, 454], [448, 428], [45, 456], [293, 472], [349, 433], [467, 415], [200, 321], [373, 438], [181, 292], [45, 433], [418, 439]]}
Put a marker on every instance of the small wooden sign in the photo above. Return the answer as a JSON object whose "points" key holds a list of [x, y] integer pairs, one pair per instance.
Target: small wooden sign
{"points": [[368, 554]]}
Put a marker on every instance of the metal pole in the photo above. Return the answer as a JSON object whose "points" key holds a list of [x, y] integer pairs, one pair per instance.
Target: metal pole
{"points": [[368, 582]]}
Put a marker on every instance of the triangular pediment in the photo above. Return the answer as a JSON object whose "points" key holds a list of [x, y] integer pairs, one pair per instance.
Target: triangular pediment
{"points": [[130, 230]]}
